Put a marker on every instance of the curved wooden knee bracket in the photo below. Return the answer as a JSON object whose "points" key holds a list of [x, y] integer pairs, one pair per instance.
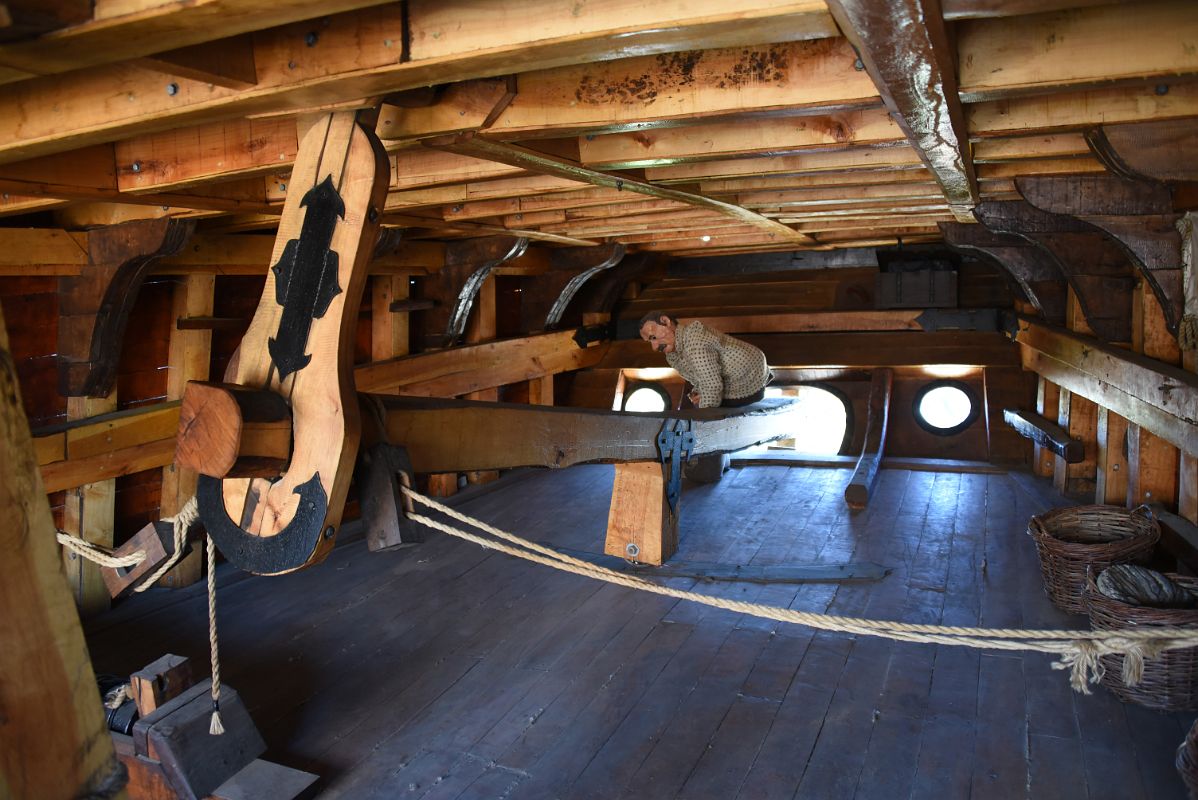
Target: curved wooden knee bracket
{"points": [[1164, 150], [467, 266], [1097, 269], [1138, 215], [549, 296], [94, 306], [1031, 268]]}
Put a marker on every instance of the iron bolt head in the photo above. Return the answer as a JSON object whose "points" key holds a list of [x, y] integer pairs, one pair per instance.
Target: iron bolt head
{"points": [[172, 89]]}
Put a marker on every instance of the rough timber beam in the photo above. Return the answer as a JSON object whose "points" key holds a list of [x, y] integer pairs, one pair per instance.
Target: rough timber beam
{"points": [[866, 158], [1075, 111], [362, 54], [471, 145], [906, 50], [461, 435], [1137, 214]]}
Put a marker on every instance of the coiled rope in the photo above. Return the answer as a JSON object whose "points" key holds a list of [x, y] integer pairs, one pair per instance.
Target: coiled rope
{"points": [[1078, 651]]}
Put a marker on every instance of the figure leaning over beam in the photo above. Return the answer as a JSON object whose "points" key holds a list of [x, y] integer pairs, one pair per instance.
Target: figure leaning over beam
{"points": [[725, 372]]}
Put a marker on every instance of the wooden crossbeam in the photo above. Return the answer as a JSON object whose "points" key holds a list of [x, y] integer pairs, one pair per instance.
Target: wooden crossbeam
{"points": [[885, 158], [468, 144], [1045, 433], [1074, 111], [906, 50], [460, 435]]}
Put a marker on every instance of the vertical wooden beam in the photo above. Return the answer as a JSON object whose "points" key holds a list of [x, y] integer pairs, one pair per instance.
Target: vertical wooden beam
{"points": [[89, 514], [482, 327], [857, 493], [1111, 479], [189, 359], [1187, 489], [1154, 465], [540, 391], [53, 742], [1047, 402], [1079, 416], [640, 525], [1005, 387], [389, 331]]}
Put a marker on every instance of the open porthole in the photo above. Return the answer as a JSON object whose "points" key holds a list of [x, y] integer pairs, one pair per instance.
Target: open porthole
{"points": [[647, 397], [825, 419], [945, 407]]}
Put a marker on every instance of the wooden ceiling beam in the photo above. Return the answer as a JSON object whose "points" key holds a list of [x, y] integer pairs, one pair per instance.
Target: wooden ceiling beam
{"points": [[791, 78], [456, 194], [839, 196], [1040, 166], [905, 48], [376, 52], [973, 9], [824, 179], [158, 28], [888, 157], [1080, 48], [1019, 148], [468, 144], [1076, 111], [668, 146]]}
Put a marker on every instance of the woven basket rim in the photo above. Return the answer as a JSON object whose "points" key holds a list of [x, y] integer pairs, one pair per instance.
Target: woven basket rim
{"points": [[1186, 617]]}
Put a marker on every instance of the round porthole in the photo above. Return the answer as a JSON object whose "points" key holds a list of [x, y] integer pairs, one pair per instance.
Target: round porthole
{"points": [[647, 397], [945, 407]]}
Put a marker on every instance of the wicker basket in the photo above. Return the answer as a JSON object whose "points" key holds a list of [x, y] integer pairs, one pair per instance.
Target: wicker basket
{"points": [[1170, 681], [1187, 761], [1071, 540]]}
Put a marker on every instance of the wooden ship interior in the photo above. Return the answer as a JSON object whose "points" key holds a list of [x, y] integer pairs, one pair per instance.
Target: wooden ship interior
{"points": [[275, 273]]}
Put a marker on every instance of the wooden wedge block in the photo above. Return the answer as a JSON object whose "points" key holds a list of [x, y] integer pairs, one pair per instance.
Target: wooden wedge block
{"points": [[640, 524]]}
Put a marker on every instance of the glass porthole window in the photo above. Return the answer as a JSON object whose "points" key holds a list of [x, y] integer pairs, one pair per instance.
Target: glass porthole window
{"points": [[648, 397], [945, 407]]}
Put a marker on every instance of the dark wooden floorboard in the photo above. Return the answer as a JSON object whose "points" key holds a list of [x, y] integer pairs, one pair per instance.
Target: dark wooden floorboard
{"points": [[447, 672]]}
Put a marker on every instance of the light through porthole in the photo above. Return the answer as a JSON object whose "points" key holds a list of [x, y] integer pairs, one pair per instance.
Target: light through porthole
{"points": [[647, 397], [945, 407], [823, 421]]}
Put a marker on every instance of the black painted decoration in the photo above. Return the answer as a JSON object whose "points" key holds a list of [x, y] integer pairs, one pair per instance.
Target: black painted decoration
{"points": [[287, 550], [306, 278]]}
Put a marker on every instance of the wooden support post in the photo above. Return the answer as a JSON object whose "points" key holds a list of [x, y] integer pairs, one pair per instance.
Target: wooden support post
{"points": [[89, 514], [1005, 387], [1154, 475], [1079, 417], [1111, 479], [189, 359], [389, 330], [856, 494], [53, 741], [481, 327], [1047, 402], [640, 524]]}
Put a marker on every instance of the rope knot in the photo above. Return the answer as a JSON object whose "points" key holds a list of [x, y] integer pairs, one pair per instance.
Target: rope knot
{"points": [[1082, 659], [1133, 660]]}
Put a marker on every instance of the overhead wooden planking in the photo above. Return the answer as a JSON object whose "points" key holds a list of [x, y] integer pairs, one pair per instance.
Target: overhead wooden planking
{"points": [[972, 9], [420, 167], [538, 162], [791, 78], [1045, 52], [885, 158], [464, 106], [360, 54], [143, 29], [837, 196], [810, 181], [667, 146], [42, 251], [1041, 166], [907, 51], [1075, 111], [1018, 148], [531, 205], [499, 189]]}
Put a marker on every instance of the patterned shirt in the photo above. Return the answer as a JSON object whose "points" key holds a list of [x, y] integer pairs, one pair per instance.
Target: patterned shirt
{"points": [[719, 366]]}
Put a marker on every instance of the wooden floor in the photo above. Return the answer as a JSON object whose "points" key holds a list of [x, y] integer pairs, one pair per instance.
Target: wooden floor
{"points": [[448, 671]]}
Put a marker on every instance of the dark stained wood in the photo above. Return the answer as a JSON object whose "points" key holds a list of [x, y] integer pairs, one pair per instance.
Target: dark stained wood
{"points": [[1163, 150], [1046, 434], [94, 306], [457, 284], [1034, 271], [1097, 269], [861, 485], [896, 40], [547, 297], [1136, 214], [27, 19]]}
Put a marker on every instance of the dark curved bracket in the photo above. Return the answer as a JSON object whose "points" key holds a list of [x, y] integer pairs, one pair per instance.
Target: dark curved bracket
{"points": [[1161, 150], [1096, 267], [469, 291], [287, 550], [614, 255], [95, 305], [1030, 268], [1137, 215]]}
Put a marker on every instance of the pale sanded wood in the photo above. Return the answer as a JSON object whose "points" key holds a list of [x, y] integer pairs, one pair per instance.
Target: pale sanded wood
{"points": [[640, 524]]}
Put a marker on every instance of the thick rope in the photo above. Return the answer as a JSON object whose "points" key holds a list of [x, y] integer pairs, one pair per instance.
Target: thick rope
{"points": [[100, 555], [187, 516], [1079, 651], [116, 697], [215, 727]]}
